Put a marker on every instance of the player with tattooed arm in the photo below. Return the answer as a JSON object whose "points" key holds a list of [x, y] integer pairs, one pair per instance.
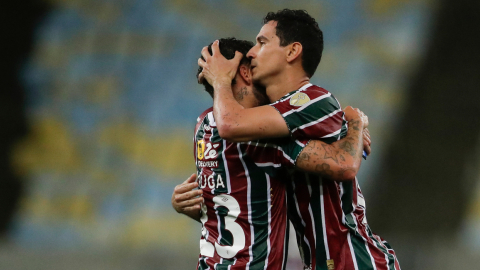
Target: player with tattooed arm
{"points": [[328, 216]]}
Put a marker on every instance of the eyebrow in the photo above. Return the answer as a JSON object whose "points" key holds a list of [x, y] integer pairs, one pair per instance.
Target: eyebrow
{"points": [[261, 38]]}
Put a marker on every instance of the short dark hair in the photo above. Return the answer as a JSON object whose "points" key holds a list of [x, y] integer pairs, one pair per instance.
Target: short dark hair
{"points": [[299, 26], [228, 46]]}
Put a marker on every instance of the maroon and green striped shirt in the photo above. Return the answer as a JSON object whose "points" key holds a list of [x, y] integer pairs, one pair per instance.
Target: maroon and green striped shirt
{"points": [[328, 216], [244, 214]]}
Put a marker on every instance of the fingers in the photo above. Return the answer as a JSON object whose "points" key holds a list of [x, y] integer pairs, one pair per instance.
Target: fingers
{"points": [[191, 179], [190, 203], [365, 120], [238, 57], [201, 63], [206, 54], [366, 133], [184, 188], [192, 208], [367, 148], [215, 47], [367, 141], [188, 195], [201, 78], [183, 195]]}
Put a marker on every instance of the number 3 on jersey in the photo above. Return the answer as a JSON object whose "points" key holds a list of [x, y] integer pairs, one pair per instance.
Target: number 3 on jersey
{"points": [[228, 210]]}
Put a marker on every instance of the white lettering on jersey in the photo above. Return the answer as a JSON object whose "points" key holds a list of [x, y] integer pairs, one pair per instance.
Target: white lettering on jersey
{"points": [[220, 181], [210, 181], [210, 164]]}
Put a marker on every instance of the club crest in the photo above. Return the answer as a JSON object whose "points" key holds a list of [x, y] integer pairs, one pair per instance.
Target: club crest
{"points": [[299, 99]]}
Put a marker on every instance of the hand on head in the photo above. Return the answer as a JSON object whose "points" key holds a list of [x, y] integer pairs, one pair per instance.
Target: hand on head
{"points": [[216, 68]]}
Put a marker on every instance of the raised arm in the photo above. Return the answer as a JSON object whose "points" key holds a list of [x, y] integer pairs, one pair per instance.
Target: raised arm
{"points": [[339, 161], [234, 122]]}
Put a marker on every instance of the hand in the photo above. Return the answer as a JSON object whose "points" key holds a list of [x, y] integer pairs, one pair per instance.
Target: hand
{"points": [[185, 200], [216, 68], [367, 141], [352, 114]]}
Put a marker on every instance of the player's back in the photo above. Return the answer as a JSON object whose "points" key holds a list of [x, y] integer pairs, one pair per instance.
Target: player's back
{"points": [[244, 212]]}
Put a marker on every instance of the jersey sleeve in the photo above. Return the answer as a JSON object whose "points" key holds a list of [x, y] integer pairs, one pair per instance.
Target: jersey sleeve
{"points": [[275, 156], [313, 113]]}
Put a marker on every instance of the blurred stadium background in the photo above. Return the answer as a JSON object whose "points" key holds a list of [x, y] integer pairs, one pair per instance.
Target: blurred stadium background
{"points": [[99, 103]]}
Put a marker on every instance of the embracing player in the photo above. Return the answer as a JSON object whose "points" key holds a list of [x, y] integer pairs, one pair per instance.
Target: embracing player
{"points": [[243, 184], [329, 216]]}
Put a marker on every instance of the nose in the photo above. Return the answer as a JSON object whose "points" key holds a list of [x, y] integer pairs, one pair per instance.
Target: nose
{"points": [[251, 53]]}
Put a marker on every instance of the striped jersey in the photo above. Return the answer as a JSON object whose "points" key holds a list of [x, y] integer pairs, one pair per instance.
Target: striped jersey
{"points": [[328, 216], [244, 214]]}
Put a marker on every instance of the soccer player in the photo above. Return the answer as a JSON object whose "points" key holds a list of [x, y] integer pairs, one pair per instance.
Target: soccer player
{"points": [[244, 208], [328, 216]]}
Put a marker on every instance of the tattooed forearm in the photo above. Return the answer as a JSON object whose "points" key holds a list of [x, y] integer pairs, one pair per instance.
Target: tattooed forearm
{"points": [[338, 161], [324, 169], [348, 147], [303, 157], [355, 124], [342, 173], [329, 154]]}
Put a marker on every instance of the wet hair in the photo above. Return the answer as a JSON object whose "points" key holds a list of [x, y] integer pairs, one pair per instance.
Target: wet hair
{"points": [[228, 46], [299, 26]]}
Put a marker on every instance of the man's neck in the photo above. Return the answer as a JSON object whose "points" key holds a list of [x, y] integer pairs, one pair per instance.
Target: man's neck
{"points": [[284, 84], [243, 94]]}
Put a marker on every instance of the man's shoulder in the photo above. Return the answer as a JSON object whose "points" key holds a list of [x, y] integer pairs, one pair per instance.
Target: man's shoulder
{"points": [[307, 96], [312, 88], [204, 114], [310, 94], [208, 116]]}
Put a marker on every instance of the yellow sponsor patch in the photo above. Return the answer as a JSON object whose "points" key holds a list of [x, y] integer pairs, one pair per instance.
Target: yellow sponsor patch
{"points": [[299, 99], [330, 265], [200, 149]]}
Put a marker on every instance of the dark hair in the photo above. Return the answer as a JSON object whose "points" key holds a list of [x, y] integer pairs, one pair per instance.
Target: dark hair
{"points": [[228, 46], [299, 26]]}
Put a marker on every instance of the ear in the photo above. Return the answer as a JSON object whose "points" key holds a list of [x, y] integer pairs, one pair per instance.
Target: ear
{"points": [[245, 73], [294, 51]]}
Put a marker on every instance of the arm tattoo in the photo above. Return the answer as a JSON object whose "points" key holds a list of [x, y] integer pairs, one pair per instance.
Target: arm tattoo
{"points": [[304, 157], [324, 169], [348, 147], [355, 124], [329, 154]]}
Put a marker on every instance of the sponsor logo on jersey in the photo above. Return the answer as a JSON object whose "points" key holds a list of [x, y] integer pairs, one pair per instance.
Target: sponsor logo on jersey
{"points": [[209, 164], [330, 265], [299, 99], [206, 150], [200, 149]]}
